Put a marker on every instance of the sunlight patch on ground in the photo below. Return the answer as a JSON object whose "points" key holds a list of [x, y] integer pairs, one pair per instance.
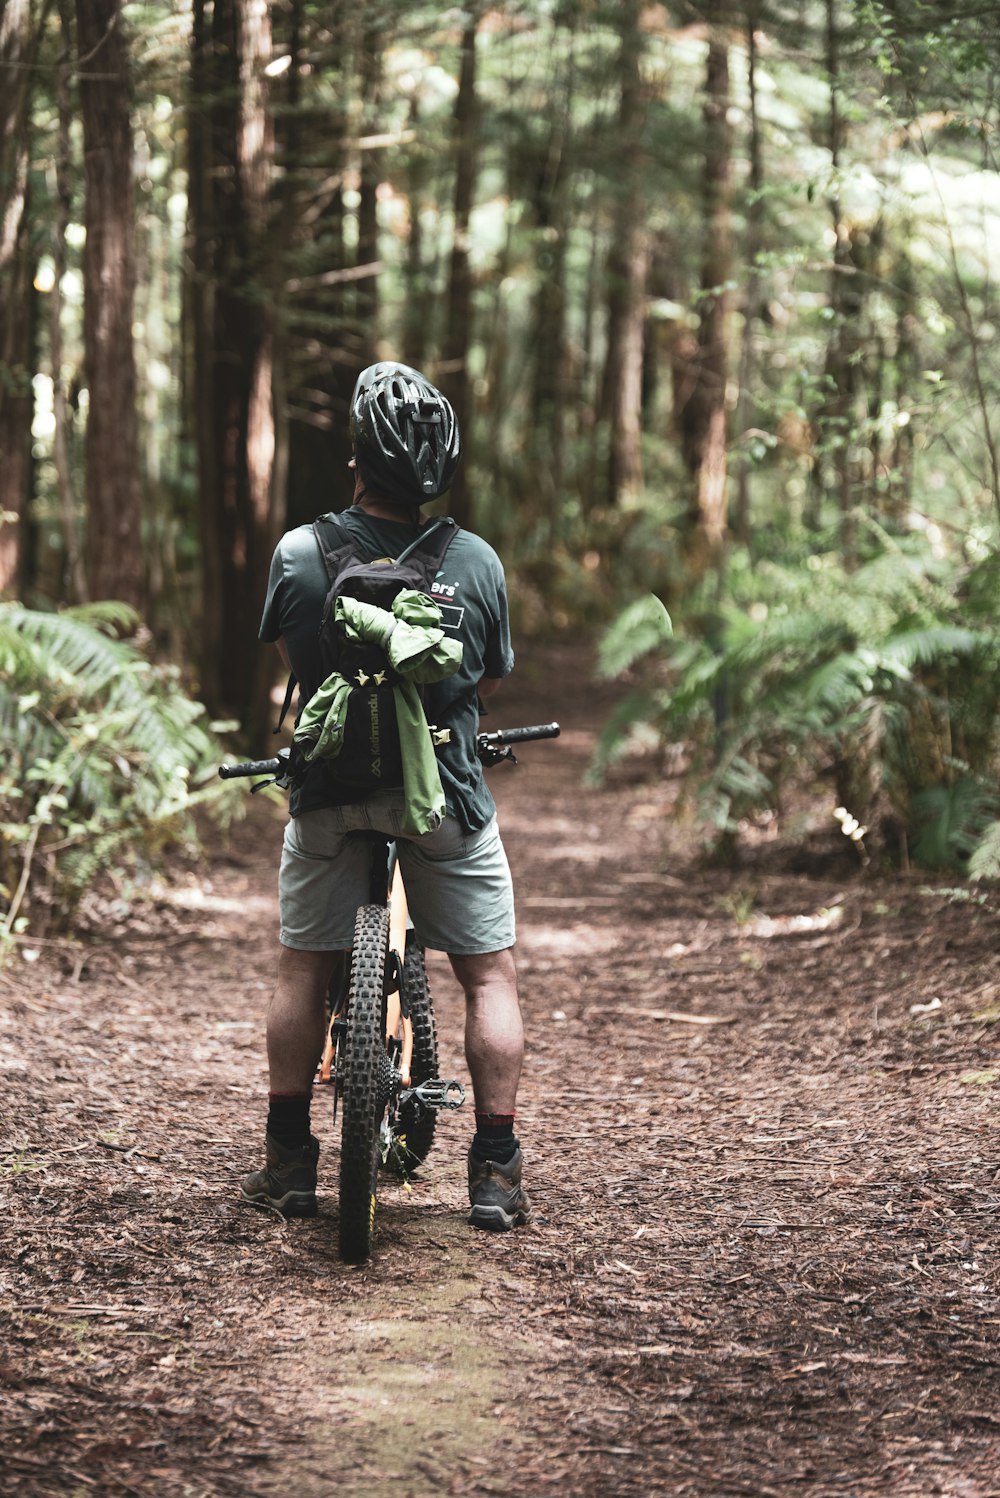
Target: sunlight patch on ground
{"points": [[198, 897], [567, 940], [792, 925]]}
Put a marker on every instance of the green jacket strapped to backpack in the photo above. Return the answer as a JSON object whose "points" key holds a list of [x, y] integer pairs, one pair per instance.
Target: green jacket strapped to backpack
{"points": [[418, 653]]}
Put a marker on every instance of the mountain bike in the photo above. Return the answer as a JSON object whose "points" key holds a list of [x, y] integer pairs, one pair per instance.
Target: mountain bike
{"points": [[381, 1054]]}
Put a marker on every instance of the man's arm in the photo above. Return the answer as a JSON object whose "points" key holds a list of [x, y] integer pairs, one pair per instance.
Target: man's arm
{"points": [[488, 685], [283, 652]]}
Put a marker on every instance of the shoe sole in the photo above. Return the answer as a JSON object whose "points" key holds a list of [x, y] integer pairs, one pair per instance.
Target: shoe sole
{"points": [[496, 1220], [292, 1204]]}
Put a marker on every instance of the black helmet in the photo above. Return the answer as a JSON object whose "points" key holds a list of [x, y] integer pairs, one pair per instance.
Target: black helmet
{"points": [[404, 432]]}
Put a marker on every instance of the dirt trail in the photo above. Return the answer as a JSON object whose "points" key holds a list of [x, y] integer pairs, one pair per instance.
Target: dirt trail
{"points": [[764, 1258]]}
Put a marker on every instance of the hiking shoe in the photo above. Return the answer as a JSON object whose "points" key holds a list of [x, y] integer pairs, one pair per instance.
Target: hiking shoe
{"points": [[499, 1201], [288, 1181]]}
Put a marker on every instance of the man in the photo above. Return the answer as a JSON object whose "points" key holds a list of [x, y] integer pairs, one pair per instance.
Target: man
{"points": [[406, 449]]}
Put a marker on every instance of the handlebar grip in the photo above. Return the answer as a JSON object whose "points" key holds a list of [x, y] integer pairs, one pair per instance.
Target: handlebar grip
{"points": [[522, 735], [250, 767]]}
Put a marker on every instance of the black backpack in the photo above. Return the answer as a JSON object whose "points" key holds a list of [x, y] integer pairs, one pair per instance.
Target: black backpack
{"points": [[370, 757]]}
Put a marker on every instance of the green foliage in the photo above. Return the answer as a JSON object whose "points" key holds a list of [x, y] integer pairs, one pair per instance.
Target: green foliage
{"points": [[106, 758], [985, 860], [881, 677], [642, 628], [951, 821]]}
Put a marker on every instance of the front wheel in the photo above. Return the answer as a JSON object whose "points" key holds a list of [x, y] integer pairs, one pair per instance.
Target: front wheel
{"points": [[365, 1085]]}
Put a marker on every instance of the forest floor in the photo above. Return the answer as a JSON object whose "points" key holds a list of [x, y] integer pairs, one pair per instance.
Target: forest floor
{"points": [[759, 1113]]}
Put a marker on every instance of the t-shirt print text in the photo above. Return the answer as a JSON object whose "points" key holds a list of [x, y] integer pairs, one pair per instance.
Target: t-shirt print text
{"points": [[452, 613]]}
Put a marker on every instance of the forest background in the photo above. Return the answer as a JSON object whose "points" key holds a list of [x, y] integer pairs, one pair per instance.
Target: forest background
{"points": [[711, 286]]}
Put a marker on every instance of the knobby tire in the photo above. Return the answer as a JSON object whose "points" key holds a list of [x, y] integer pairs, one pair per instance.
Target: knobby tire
{"points": [[365, 1092], [413, 1127]]}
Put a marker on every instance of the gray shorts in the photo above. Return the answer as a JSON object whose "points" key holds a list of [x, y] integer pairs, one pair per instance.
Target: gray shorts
{"points": [[457, 883]]}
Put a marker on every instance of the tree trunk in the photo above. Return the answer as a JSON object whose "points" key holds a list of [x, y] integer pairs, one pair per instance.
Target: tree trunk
{"points": [[906, 369], [232, 380], [62, 196], [628, 266], [21, 23], [325, 348], [703, 417], [114, 554], [551, 211], [415, 330], [841, 367], [752, 292], [366, 287], [458, 334]]}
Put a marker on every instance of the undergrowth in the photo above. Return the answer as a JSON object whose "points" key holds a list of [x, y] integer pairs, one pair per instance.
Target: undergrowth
{"points": [[106, 760], [884, 681]]}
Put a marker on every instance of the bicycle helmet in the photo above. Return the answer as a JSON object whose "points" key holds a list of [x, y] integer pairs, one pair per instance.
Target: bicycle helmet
{"points": [[405, 436]]}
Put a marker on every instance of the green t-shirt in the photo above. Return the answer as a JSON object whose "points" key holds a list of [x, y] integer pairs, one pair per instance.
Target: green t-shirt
{"points": [[472, 594]]}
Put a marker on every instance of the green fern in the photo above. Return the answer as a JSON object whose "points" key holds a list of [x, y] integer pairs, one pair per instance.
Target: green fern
{"points": [[640, 630], [984, 862], [883, 669], [950, 821], [106, 758]]}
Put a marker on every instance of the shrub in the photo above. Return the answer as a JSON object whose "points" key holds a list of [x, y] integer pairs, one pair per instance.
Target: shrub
{"points": [[886, 678], [106, 758]]}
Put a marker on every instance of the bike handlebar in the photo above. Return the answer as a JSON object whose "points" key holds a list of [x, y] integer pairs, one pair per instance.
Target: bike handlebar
{"points": [[256, 766], [504, 736], [491, 747]]}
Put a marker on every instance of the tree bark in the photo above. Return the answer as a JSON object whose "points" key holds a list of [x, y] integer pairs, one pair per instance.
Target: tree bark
{"points": [[21, 24], [366, 287], [837, 413], [455, 364], [325, 349], [62, 195], [415, 312], [752, 291], [628, 267], [703, 416], [113, 554], [549, 189], [232, 379]]}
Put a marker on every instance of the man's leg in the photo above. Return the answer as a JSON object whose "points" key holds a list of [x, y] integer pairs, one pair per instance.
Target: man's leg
{"points": [[296, 1022], [494, 1034], [296, 1019], [494, 1050]]}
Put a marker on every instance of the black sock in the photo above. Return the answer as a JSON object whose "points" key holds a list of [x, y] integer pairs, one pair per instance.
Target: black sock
{"points": [[288, 1118], [494, 1138]]}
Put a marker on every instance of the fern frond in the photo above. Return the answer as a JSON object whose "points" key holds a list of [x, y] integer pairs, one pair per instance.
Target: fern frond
{"points": [[984, 862], [951, 821], [102, 748], [642, 629]]}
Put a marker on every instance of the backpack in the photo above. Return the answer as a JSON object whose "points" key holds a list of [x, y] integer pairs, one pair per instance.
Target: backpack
{"points": [[370, 758]]}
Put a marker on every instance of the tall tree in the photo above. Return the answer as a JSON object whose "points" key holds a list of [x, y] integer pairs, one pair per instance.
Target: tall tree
{"points": [[752, 291], [21, 25], [628, 266], [61, 192], [458, 332], [550, 202], [843, 370], [233, 352], [703, 417], [366, 286], [114, 556], [415, 311], [325, 349]]}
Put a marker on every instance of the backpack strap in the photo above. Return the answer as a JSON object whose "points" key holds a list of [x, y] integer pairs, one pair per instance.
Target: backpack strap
{"points": [[441, 531], [327, 528], [290, 686], [336, 545]]}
